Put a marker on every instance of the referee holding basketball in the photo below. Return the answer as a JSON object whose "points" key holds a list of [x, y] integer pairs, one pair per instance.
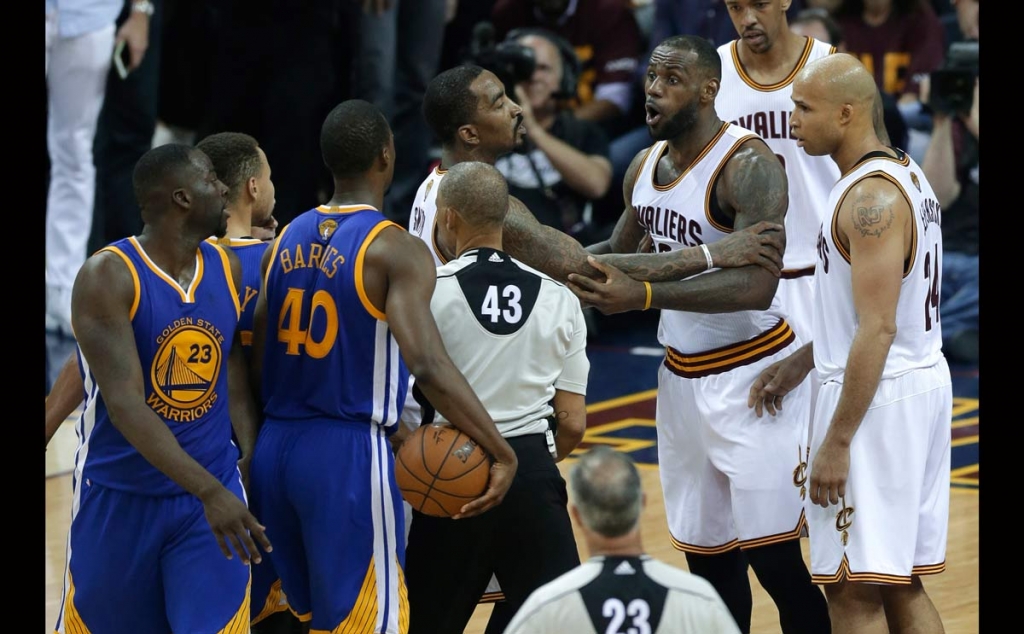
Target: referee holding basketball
{"points": [[519, 338]]}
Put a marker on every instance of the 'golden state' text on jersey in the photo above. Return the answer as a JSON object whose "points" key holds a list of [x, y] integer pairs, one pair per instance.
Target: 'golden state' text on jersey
{"points": [[183, 337], [322, 328], [918, 341]]}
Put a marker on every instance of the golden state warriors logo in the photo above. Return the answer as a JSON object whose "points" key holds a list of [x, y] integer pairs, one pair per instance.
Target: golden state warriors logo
{"points": [[185, 370], [915, 181], [327, 227]]}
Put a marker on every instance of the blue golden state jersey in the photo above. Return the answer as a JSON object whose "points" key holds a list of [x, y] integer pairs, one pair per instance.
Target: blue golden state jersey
{"points": [[250, 252], [329, 352], [183, 337]]}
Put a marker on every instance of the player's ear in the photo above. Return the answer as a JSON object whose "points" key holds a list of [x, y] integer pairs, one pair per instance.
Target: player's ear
{"points": [[250, 185], [181, 197], [845, 113], [451, 219], [469, 134], [710, 90], [385, 158]]}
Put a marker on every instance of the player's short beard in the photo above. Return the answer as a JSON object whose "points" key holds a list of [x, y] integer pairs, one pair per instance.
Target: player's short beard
{"points": [[678, 124]]}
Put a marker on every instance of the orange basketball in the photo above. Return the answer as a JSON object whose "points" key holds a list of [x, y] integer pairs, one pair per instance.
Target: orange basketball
{"points": [[439, 469]]}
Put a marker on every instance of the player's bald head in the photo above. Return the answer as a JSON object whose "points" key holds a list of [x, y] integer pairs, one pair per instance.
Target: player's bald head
{"points": [[841, 78], [477, 192]]}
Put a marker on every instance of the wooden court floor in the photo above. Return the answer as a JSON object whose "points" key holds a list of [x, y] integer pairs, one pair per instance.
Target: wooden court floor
{"points": [[955, 592]]}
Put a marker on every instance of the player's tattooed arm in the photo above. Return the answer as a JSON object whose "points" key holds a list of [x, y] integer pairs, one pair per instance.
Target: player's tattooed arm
{"points": [[871, 216], [752, 188], [544, 248], [761, 244]]}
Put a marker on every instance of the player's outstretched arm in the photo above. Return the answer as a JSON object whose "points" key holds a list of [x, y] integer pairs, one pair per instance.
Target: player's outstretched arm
{"points": [[65, 395], [874, 224], [400, 276], [553, 252], [101, 303], [542, 247]]}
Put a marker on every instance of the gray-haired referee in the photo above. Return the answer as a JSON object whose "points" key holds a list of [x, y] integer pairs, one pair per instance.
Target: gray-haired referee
{"points": [[519, 338], [619, 589]]}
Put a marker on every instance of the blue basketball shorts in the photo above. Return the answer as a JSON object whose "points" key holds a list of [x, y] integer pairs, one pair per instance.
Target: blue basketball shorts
{"points": [[139, 563], [327, 495]]}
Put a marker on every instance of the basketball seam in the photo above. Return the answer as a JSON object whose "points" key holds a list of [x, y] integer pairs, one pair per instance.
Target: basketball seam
{"points": [[464, 473], [440, 468], [401, 461], [430, 487]]}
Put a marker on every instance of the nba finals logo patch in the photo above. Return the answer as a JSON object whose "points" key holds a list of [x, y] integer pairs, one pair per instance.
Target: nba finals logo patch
{"points": [[915, 181], [427, 192], [185, 370], [327, 227]]}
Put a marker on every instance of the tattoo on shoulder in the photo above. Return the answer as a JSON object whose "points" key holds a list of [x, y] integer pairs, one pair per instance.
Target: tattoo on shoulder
{"points": [[872, 220], [758, 184]]}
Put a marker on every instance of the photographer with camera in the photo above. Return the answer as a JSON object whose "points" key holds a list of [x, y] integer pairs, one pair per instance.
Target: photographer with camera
{"points": [[563, 163], [951, 164], [606, 39]]}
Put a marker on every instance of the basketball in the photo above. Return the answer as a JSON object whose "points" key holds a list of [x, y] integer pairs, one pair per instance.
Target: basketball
{"points": [[439, 469]]}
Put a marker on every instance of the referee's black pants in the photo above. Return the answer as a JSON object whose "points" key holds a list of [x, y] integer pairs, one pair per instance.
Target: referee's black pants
{"points": [[525, 541]]}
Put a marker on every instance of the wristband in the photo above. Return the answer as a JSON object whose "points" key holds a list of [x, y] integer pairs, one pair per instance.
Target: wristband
{"points": [[647, 302], [707, 256]]}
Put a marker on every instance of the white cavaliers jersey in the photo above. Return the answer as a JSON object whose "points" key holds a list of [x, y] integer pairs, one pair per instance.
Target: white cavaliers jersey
{"points": [[515, 334], [685, 213], [918, 342], [423, 217], [624, 594], [765, 109]]}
